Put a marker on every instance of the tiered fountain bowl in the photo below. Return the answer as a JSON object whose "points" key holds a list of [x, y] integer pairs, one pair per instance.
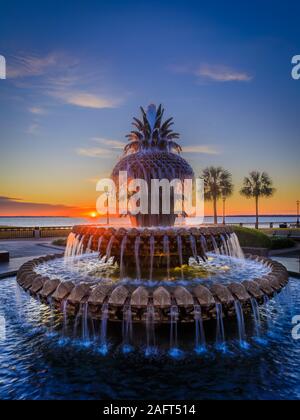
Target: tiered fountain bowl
{"points": [[143, 292], [144, 267]]}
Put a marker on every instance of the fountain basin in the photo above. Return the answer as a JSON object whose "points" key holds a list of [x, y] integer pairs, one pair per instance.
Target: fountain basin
{"points": [[123, 243], [162, 298]]}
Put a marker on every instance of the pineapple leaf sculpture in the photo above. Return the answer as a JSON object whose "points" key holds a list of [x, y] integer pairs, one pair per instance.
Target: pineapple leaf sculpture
{"points": [[152, 133]]}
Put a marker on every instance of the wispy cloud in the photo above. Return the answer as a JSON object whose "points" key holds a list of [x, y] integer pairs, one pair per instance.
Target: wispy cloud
{"points": [[112, 147], [29, 65], [213, 72], [94, 152], [37, 110], [86, 100], [202, 149], [63, 78], [17, 206], [219, 73], [114, 144]]}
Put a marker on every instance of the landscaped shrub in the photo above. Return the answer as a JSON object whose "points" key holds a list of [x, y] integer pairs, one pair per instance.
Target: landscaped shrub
{"points": [[252, 238], [60, 242]]}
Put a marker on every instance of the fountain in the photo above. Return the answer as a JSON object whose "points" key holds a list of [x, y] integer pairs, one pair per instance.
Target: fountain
{"points": [[154, 272]]}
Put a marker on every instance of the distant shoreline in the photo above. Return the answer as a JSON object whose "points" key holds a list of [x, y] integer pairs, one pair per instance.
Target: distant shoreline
{"points": [[38, 217], [83, 217]]}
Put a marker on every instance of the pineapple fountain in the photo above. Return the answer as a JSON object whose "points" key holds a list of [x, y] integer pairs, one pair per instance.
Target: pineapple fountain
{"points": [[154, 272]]}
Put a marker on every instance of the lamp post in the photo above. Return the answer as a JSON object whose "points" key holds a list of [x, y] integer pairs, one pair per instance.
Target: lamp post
{"points": [[298, 222], [224, 216]]}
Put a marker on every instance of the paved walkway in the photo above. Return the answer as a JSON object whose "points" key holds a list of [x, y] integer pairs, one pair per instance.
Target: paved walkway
{"points": [[22, 251], [278, 252]]}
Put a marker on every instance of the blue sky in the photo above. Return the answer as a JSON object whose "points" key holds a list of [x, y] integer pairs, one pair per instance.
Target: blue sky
{"points": [[78, 71]]}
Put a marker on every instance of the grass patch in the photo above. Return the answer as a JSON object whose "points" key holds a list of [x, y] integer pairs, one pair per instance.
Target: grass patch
{"points": [[60, 242], [252, 238]]}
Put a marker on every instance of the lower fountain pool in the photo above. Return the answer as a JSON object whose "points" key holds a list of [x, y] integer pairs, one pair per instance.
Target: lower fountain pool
{"points": [[42, 358]]}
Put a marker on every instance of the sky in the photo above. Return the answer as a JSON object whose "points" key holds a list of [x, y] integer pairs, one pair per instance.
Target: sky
{"points": [[77, 72]]}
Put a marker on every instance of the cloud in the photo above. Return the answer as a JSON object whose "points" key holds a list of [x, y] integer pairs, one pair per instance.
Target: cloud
{"points": [[18, 207], [4, 199], [86, 100], [203, 149], [114, 144], [219, 73], [213, 72], [94, 152], [29, 65], [37, 111], [62, 77]]}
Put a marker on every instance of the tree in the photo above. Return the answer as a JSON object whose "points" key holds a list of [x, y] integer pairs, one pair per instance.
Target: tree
{"points": [[257, 185], [217, 184]]}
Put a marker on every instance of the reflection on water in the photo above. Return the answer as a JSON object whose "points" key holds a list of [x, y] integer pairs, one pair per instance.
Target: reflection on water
{"points": [[39, 359]]}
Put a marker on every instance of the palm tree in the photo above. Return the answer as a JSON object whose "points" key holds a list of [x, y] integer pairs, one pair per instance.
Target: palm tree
{"points": [[257, 185], [217, 184]]}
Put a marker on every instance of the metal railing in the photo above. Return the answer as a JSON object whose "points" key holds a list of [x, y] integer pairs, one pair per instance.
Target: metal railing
{"points": [[34, 232]]}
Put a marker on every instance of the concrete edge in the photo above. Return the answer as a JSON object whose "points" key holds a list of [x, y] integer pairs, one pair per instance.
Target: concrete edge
{"points": [[8, 274], [294, 274]]}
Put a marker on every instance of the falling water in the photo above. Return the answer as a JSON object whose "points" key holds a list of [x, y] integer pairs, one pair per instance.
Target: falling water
{"points": [[123, 246], [268, 315], [65, 317], [204, 243], [193, 246], [179, 245], [100, 243], [74, 245], [76, 322], [166, 246], [225, 247], [240, 323], [85, 328], [173, 327], [78, 249], [50, 303], [89, 245], [109, 248], [127, 325], [215, 245], [72, 239], [137, 256], [150, 327], [103, 331], [200, 341], [220, 335], [235, 247], [256, 317], [152, 250]]}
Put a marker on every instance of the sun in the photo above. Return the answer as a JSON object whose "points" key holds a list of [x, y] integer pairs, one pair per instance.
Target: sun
{"points": [[93, 214]]}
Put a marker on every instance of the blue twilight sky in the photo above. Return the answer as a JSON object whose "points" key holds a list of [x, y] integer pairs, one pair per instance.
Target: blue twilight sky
{"points": [[79, 70]]}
